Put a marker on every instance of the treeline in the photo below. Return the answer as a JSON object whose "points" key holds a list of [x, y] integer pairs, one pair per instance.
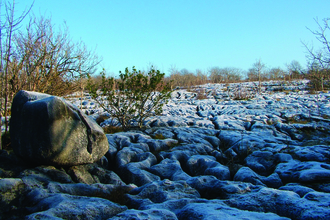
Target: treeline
{"points": [[259, 71]]}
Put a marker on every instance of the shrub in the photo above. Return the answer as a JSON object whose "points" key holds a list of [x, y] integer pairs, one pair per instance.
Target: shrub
{"points": [[133, 98]]}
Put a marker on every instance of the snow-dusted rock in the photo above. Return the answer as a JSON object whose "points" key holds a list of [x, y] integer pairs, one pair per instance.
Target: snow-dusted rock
{"points": [[258, 144]]}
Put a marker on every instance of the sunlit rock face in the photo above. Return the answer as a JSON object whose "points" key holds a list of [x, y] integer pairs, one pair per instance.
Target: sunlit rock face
{"points": [[48, 130]]}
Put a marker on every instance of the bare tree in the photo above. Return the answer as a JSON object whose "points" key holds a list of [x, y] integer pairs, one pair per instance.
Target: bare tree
{"points": [[276, 73], [295, 71], [256, 72], [186, 78], [319, 60], [40, 58], [225, 75], [49, 61], [8, 27]]}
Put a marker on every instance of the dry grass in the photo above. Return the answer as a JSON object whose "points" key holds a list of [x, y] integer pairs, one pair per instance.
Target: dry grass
{"points": [[112, 129], [325, 116], [201, 94], [159, 137], [242, 95], [295, 120], [101, 118]]}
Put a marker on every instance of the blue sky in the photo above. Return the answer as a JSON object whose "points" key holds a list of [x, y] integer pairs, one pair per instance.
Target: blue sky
{"points": [[187, 33]]}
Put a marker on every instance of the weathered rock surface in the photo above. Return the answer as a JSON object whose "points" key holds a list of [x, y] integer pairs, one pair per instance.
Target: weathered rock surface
{"points": [[47, 129], [264, 158]]}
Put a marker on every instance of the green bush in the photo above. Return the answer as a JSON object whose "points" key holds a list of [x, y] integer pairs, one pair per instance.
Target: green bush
{"points": [[132, 98]]}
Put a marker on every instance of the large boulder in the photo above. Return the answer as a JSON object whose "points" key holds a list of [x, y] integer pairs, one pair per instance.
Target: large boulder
{"points": [[48, 130]]}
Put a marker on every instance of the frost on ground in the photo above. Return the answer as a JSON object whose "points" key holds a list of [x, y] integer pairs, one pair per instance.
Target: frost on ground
{"points": [[264, 157]]}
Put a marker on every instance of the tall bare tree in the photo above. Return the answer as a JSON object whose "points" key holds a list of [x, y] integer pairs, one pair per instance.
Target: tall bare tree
{"points": [[49, 61], [8, 27], [256, 72], [319, 59], [276, 73], [40, 58], [225, 75], [295, 71]]}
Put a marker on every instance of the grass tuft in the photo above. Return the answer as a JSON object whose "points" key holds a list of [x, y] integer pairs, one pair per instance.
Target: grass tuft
{"points": [[159, 137], [112, 129]]}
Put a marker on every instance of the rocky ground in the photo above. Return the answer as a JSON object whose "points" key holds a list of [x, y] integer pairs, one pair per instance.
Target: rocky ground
{"points": [[209, 156]]}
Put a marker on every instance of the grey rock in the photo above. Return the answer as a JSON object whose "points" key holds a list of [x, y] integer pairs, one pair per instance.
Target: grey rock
{"points": [[262, 162], [283, 203], [303, 172], [207, 165], [320, 153], [133, 174], [196, 138], [183, 152], [225, 122], [161, 145], [106, 176], [103, 162], [242, 143], [321, 186], [173, 205], [58, 175], [157, 214], [297, 188], [245, 174], [164, 132], [169, 169], [136, 171], [273, 181], [290, 130], [63, 206], [218, 210], [210, 187], [81, 174], [282, 158], [159, 192], [126, 155], [318, 197], [48, 130]]}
